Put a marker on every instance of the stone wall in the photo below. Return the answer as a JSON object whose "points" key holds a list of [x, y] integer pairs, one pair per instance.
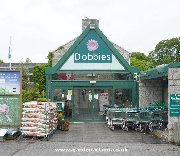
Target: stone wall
{"points": [[87, 21], [173, 88], [150, 91], [165, 96]]}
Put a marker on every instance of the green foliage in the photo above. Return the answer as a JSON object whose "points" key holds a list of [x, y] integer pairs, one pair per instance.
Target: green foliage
{"points": [[28, 61], [50, 56], [39, 79], [141, 61], [43, 94], [61, 47], [42, 100], [23, 67], [24, 78], [139, 56], [31, 95], [27, 95], [166, 51], [39, 76], [1, 61]]}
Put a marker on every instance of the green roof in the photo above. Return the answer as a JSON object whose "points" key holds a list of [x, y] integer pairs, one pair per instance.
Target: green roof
{"points": [[158, 72]]}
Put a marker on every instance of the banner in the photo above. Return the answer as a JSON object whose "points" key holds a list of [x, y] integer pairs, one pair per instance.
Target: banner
{"points": [[10, 98], [9, 111], [9, 82]]}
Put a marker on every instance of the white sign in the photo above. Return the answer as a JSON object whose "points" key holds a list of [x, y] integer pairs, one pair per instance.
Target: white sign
{"points": [[103, 100], [69, 97], [90, 97], [70, 65]]}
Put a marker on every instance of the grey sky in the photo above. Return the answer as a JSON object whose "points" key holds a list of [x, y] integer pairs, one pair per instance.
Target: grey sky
{"points": [[40, 26]]}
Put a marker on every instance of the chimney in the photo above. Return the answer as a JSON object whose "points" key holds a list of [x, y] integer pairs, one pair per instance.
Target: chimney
{"points": [[87, 21]]}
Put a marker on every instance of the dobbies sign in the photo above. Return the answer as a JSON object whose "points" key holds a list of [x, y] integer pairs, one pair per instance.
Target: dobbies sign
{"points": [[92, 50], [174, 104]]}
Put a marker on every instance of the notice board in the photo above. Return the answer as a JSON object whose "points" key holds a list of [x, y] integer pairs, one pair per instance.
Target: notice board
{"points": [[175, 105], [103, 100], [9, 82], [10, 98]]}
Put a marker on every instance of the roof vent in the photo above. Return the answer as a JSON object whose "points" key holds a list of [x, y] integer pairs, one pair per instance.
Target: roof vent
{"points": [[87, 21], [92, 26]]}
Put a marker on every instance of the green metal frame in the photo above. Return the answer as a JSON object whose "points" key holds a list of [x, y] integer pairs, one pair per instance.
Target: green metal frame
{"points": [[124, 84]]}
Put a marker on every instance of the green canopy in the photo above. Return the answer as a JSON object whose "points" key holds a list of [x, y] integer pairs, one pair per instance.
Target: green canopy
{"points": [[159, 71]]}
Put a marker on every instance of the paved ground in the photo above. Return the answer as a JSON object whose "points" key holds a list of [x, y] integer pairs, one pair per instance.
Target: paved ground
{"points": [[99, 132], [91, 139]]}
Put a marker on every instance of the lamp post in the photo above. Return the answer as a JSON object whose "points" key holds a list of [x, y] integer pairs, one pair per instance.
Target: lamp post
{"points": [[9, 55]]}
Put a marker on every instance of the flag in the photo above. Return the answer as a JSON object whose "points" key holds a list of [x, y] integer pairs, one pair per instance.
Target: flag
{"points": [[9, 55]]}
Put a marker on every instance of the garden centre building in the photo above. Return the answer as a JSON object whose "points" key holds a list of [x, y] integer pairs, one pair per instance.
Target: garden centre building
{"points": [[89, 72]]}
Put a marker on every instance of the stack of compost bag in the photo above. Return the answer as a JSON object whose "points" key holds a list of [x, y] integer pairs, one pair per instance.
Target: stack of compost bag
{"points": [[39, 119]]}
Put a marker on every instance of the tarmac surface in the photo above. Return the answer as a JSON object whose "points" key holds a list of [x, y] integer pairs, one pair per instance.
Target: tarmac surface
{"points": [[91, 139]]}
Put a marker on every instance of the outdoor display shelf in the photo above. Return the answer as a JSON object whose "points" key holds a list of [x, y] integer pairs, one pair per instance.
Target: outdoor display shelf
{"points": [[39, 119]]}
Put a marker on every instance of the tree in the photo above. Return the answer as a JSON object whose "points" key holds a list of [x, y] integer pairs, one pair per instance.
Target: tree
{"points": [[39, 76], [1, 61], [24, 69], [28, 61], [141, 61], [166, 51], [31, 95], [39, 79], [139, 56], [50, 56]]}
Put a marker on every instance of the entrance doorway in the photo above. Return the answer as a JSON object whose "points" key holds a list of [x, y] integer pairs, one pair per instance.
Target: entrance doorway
{"points": [[88, 103]]}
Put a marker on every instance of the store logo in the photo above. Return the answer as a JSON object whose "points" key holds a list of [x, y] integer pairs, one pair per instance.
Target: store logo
{"points": [[92, 54], [94, 58], [92, 45]]}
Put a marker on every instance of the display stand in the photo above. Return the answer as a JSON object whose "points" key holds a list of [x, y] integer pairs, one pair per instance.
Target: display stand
{"points": [[39, 119]]}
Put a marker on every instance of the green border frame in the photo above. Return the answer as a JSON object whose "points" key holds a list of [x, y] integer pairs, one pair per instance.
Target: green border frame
{"points": [[123, 84]]}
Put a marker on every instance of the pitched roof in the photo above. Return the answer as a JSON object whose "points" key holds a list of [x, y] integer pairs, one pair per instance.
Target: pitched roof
{"points": [[60, 51], [77, 41], [158, 72]]}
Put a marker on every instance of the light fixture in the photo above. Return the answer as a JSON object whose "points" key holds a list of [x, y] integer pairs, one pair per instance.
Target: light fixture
{"points": [[92, 82]]}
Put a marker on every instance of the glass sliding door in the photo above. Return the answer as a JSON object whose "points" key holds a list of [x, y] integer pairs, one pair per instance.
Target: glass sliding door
{"points": [[83, 104], [89, 103], [102, 97]]}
